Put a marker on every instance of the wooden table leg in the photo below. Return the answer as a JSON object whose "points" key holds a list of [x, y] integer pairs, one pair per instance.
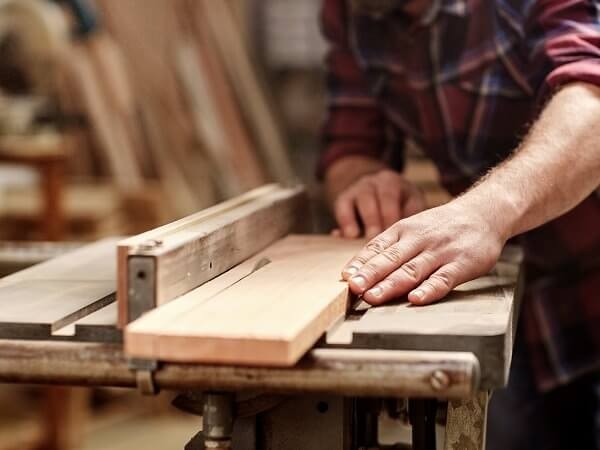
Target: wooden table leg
{"points": [[65, 412], [52, 174], [466, 423]]}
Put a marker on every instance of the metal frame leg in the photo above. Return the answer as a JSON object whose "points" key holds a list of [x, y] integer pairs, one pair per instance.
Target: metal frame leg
{"points": [[422, 414]]}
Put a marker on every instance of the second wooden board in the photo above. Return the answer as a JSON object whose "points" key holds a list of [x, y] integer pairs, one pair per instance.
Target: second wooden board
{"points": [[267, 311]]}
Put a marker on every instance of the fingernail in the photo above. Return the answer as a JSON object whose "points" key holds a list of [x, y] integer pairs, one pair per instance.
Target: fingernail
{"points": [[419, 293], [351, 270], [359, 281], [375, 292]]}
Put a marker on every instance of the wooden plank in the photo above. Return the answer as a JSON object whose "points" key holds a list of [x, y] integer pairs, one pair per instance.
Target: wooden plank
{"points": [[52, 302], [217, 119], [100, 326], [226, 37], [183, 198], [93, 262], [207, 124], [478, 316], [109, 129], [42, 299], [268, 316], [202, 246], [149, 37]]}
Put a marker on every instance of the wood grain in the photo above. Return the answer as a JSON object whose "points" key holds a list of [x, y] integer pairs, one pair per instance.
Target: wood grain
{"points": [[268, 317], [253, 95], [466, 423], [202, 246], [40, 300]]}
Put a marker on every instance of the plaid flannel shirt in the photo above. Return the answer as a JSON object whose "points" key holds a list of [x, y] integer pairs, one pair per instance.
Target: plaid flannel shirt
{"points": [[464, 83]]}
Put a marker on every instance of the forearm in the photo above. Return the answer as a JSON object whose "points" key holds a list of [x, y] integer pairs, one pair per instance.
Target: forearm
{"points": [[555, 168]]}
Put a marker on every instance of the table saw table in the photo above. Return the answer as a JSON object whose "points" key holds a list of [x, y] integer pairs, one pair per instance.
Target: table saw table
{"points": [[60, 323]]}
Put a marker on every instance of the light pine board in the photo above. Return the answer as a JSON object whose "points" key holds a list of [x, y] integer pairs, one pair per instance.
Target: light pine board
{"points": [[271, 316]]}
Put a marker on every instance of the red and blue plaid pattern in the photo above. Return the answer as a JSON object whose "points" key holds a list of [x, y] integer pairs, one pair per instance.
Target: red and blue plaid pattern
{"points": [[465, 83]]}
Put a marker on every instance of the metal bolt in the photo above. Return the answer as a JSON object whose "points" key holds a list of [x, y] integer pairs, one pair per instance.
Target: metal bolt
{"points": [[150, 244], [439, 380]]}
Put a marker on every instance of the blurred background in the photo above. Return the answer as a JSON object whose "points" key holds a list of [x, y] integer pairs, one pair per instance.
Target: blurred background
{"points": [[117, 116]]}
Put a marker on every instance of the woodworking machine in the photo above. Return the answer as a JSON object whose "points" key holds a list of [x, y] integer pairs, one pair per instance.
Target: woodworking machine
{"points": [[63, 321]]}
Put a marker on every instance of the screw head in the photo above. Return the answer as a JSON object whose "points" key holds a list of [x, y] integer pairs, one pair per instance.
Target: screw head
{"points": [[439, 380], [150, 244]]}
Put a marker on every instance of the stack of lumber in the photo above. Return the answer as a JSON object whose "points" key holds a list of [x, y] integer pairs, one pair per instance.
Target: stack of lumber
{"points": [[160, 94], [171, 92]]}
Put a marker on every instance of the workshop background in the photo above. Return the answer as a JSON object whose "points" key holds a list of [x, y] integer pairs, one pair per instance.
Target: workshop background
{"points": [[117, 116]]}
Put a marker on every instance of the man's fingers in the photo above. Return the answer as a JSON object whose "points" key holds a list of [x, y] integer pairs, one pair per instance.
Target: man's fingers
{"points": [[438, 285], [414, 202], [368, 209], [373, 248], [390, 202], [345, 216], [402, 280], [386, 262]]}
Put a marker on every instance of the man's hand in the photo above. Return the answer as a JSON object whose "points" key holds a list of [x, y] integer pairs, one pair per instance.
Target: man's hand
{"points": [[426, 255], [365, 191]]}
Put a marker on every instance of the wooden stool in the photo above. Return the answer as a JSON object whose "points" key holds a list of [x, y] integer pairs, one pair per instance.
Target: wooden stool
{"points": [[44, 152], [64, 409]]}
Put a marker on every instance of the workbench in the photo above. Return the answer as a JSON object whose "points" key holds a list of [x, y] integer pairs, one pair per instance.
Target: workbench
{"points": [[333, 398]]}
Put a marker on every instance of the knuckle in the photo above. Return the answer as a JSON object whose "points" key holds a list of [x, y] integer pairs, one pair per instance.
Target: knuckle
{"points": [[362, 259], [364, 183], [392, 254], [443, 280], [368, 271], [411, 271], [377, 245], [392, 284]]}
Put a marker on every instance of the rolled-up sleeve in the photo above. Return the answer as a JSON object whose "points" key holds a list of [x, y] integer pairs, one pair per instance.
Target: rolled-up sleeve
{"points": [[564, 43], [354, 124]]}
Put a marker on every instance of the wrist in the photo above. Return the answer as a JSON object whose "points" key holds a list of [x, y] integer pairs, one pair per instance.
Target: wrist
{"points": [[495, 207]]}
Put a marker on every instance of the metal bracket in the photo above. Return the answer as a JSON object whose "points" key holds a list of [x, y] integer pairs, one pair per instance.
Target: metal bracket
{"points": [[144, 375], [142, 285]]}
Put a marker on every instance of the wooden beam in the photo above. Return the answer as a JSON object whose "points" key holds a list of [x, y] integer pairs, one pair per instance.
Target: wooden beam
{"points": [[162, 264], [267, 311]]}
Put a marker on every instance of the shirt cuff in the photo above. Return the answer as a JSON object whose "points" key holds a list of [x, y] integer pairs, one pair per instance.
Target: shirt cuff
{"points": [[585, 70]]}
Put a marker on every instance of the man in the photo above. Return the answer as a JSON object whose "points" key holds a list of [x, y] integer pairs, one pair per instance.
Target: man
{"points": [[504, 96]]}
